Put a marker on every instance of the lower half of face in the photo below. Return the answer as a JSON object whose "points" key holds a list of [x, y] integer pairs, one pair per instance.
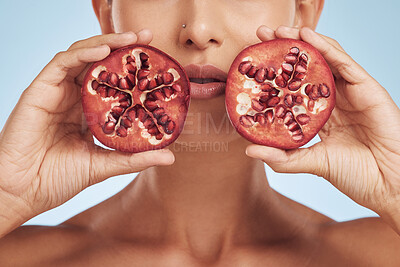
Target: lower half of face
{"points": [[204, 37]]}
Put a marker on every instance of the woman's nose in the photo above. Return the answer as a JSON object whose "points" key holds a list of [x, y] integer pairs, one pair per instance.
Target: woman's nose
{"points": [[202, 27]]}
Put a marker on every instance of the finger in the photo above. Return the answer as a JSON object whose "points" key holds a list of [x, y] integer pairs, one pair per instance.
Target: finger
{"points": [[113, 40], [265, 33], [144, 37], [44, 92], [301, 160], [337, 59], [106, 163], [287, 32]]}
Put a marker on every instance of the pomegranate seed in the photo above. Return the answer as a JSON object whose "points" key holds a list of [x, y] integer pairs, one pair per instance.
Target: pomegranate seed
{"points": [[260, 118], [266, 87], [324, 90], [153, 130], [272, 102], [113, 118], [280, 81], [158, 112], [256, 105], [152, 84], [159, 136], [308, 89], [304, 57], [163, 119], [131, 68], [103, 76], [102, 91], [300, 68], [114, 80], [111, 92], [143, 56], [288, 118], [126, 122], [271, 74], [260, 75], [293, 126], [95, 85], [288, 100], [143, 84], [299, 99], [299, 76], [294, 85], [177, 87], [131, 78], [294, 51], [291, 59], [252, 72], [150, 105], [168, 91], [148, 123], [264, 97], [246, 121], [132, 114], [129, 59], [118, 110], [285, 76], [311, 105], [269, 114], [125, 103], [145, 64], [287, 68], [280, 111], [274, 92], [122, 132], [158, 95], [159, 80], [244, 67], [168, 78], [169, 127], [303, 119], [109, 127], [141, 114], [124, 84], [142, 74], [315, 93]]}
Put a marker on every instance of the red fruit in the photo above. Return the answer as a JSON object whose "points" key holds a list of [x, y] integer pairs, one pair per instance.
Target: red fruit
{"points": [[298, 91], [120, 107]]}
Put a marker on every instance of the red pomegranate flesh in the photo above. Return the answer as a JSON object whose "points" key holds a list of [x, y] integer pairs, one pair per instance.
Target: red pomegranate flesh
{"points": [[280, 93], [136, 99]]}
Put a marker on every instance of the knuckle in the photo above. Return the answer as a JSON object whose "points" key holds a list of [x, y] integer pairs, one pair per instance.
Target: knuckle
{"points": [[75, 45]]}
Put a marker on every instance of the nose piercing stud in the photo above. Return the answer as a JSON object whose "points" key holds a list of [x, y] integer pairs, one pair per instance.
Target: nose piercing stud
{"points": [[183, 25]]}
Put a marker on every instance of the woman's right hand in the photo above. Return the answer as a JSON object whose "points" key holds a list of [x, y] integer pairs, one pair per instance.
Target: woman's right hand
{"points": [[47, 153]]}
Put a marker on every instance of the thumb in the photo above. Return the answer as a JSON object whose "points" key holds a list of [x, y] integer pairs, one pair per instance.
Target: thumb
{"points": [[312, 160], [107, 163]]}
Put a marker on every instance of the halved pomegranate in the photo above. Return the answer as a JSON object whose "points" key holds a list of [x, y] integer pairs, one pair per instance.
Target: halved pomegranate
{"points": [[280, 93], [136, 99]]}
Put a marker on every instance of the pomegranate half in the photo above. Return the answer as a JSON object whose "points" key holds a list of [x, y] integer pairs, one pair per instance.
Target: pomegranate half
{"points": [[136, 99], [280, 93]]}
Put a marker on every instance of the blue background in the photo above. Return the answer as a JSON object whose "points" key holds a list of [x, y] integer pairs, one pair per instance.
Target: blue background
{"points": [[34, 31]]}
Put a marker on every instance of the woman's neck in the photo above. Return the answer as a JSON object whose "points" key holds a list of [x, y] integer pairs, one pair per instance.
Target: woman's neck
{"points": [[205, 202]]}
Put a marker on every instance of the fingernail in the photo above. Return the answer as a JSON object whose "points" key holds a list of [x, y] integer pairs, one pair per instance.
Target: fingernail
{"points": [[265, 28]]}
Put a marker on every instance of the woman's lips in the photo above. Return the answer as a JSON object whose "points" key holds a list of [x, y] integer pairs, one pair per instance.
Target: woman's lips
{"points": [[213, 80], [206, 90]]}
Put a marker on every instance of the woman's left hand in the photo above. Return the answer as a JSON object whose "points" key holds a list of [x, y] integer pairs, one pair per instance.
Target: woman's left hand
{"points": [[359, 152]]}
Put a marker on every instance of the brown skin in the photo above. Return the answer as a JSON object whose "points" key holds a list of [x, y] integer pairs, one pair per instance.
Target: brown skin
{"points": [[209, 208]]}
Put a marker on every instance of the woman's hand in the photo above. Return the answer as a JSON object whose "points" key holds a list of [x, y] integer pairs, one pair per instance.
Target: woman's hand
{"points": [[47, 154], [359, 152]]}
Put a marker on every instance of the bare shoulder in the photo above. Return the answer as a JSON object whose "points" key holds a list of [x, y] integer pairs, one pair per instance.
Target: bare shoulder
{"points": [[369, 241], [41, 245]]}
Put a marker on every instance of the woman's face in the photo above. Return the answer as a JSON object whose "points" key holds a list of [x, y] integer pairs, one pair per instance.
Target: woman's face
{"points": [[216, 31]]}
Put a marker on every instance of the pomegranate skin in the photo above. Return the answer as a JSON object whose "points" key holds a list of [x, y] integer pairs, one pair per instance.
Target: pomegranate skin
{"points": [[283, 108], [124, 96]]}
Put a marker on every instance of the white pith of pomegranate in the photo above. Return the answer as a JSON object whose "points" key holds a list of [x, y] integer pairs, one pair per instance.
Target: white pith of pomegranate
{"points": [[280, 93], [136, 99]]}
